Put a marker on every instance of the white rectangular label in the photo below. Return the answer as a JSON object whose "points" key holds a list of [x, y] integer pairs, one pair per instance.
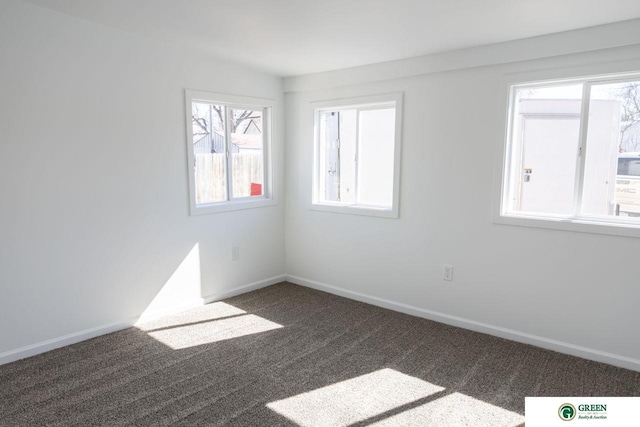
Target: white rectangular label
{"points": [[582, 411]]}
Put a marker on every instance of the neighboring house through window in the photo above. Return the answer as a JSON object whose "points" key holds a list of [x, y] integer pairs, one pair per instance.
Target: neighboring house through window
{"points": [[357, 155], [573, 152]]}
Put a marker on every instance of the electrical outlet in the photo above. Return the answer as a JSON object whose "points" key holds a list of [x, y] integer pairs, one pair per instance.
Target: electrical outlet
{"points": [[235, 253], [447, 272]]}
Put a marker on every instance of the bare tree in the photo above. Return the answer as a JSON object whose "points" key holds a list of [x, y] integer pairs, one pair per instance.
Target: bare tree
{"points": [[204, 121], [238, 117], [629, 129], [200, 127]]}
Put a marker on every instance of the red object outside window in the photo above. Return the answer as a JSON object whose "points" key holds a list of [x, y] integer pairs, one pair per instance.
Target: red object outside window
{"points": [[256, 189]]}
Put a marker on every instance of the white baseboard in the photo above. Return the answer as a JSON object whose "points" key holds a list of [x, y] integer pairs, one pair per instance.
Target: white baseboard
{"points": [[538, 341], [52, 344], [244, 289]]}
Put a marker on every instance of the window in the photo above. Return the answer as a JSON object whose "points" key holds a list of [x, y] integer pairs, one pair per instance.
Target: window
{"points": [[357, 155], [573, 152], [228, 141]]}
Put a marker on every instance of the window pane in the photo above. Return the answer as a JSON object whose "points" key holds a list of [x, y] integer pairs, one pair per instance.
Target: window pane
{"points": [[209, 152], [337, 156], [348, 156], [355, 161], [612, 184], [246, 152], [544, 144], [328, 166], [376, 157]]}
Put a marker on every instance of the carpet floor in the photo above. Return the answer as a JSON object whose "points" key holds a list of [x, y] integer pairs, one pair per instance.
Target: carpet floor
{"points": [[288, 355]]}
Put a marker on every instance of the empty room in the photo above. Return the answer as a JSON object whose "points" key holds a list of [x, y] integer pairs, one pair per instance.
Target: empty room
{"points": [[338, 213]]}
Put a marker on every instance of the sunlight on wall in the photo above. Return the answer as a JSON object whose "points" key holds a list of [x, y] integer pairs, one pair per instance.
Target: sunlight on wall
{"points": [[181, 291], [354, 400], [390, 398], [204, 325]]}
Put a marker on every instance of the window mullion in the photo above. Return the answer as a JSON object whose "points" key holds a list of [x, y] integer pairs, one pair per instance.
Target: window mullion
{"points": [[582, 150], [338, 160], [266, 118], [357, 158], [227, 150], [319, 157]]}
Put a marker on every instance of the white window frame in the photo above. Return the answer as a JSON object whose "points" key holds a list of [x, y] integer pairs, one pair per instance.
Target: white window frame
{"points": [[359, 103], [578, 222], [233, 101]]}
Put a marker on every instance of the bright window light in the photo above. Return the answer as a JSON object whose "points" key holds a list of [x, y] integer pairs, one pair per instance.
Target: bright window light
{"points": [[354, 400], [229, 155], [212, 311], [194, 334], [357, 155], [210, 323], [390, 398], [183, 285], [573, 152], [455, 409]]}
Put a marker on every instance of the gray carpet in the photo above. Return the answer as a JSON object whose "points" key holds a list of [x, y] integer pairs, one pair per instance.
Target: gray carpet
{"points": [[288, 355]]}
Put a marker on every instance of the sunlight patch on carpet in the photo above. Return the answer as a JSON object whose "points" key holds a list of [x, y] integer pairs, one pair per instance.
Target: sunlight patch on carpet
{"points": [[212, 311], [354, 400], [455, 409], [208, 332]]}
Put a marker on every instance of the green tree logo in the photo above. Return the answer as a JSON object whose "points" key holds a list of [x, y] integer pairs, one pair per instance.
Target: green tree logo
{"points": [[567, 412]]}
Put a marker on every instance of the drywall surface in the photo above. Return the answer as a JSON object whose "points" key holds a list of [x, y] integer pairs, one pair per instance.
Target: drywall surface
{"points": [[601, 37], [578, 289], [94, 217]]}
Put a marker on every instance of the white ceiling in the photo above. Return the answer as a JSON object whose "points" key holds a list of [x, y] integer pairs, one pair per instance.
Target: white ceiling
{"points": [[294, 37]]}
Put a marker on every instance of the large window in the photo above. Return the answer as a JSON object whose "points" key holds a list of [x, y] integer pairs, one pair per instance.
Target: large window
{"points": [[573, 151], [357, 153], [228, 145]]}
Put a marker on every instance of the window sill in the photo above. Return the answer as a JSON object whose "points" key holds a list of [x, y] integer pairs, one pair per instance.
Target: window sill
{"points": [[211, 208], [356, 210], [574, 225]]}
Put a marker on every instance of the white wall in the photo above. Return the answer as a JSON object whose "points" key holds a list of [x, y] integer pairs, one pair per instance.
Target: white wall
{"points": [[573, 292], [94, 218]]}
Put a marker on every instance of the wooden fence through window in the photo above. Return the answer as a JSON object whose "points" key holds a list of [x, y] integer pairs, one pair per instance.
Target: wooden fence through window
{"points": [[210, 176]]}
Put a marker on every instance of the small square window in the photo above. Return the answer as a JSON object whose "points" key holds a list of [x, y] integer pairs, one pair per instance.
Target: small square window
{"points": [[228, 146], [357, 155]]}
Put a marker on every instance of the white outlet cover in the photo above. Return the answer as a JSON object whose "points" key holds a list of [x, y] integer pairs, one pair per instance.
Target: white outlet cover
{"points": [[447, 272]]}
